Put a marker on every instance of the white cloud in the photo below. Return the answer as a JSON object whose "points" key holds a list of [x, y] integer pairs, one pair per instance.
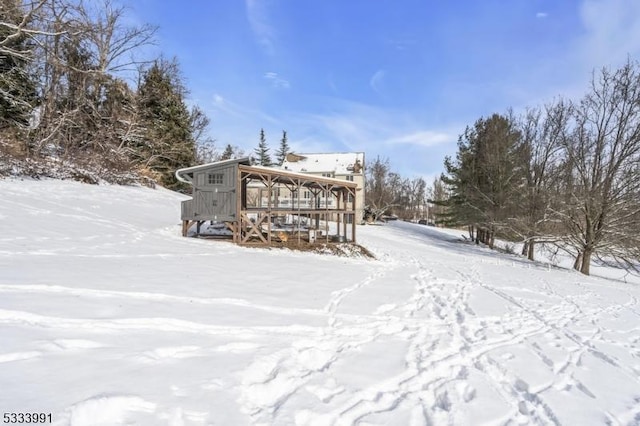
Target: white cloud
{"points": [[425, 138], [541, 15], [376, 80], [261, 25], [218, 99], [612, 32], [406, 139], [277, 81]]}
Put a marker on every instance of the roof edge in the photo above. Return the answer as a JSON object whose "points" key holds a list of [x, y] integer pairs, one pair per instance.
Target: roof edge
{"points": [[181, 173]]}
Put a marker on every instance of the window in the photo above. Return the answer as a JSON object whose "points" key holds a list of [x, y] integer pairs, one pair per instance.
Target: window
{"points": [[327, 175], [306, 194], [349, 177], [215, 178]]}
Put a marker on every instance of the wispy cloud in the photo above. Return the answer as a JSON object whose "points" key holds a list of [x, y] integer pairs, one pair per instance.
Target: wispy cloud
{"points": [[277, 81], [258, 17], [612, 31], [541, 15], [376, 80], [236, 116], [425, 138], [401, 43], [414, 146], [222, 105]]}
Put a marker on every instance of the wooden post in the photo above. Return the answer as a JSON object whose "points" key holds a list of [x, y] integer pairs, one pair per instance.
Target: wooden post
{"points": [[241, 197], [326, 211], [299, 218], [344, 216], [338, 215], [269, 193], [353, 216]]}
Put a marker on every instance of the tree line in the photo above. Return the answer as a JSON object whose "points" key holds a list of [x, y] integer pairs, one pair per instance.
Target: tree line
{"points": [[388, 193], [565, 174], [75, 88]]}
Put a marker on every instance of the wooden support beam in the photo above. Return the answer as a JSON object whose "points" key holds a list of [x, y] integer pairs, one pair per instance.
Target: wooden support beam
{"points": [[253, 229], [232, 226], [186, 224]]}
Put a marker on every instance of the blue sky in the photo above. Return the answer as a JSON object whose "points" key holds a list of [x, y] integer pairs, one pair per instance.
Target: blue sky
{"points": [[394, 78]]}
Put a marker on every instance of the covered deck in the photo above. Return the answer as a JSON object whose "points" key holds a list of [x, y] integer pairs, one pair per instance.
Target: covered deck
{"points": [[271, 205]]}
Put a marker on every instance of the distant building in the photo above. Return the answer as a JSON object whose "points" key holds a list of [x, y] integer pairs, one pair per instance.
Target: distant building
{"points": [[337, 165]]}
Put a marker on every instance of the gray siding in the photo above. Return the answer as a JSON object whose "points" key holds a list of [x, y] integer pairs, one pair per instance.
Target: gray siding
{"points": [[214, 194], [187, 210]]}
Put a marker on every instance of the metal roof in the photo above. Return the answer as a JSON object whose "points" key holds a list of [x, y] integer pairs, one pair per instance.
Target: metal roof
{"points": [[278, 175], [186, 175], [284, 176]]}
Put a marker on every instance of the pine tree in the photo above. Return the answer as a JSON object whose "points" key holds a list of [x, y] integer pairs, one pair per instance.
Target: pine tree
{"points": [[284, 149], [17, 85], [262, 152], [169, 143], [228, 153], [487, 178]]}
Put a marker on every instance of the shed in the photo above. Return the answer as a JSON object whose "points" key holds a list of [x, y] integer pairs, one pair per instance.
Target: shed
{"points": [[214, 191]]}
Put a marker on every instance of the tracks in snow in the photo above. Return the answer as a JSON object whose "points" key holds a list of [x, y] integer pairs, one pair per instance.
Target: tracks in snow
{"points": [[432, 323], [448, 351]]}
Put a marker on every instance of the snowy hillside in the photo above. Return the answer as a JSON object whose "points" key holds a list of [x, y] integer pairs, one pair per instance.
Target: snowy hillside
{"points": [[108, 316]]}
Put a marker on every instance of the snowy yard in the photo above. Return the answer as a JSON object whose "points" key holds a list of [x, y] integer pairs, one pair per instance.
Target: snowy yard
{"points": [[108, 316]]}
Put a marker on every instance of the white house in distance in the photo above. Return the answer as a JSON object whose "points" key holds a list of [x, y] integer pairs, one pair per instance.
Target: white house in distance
{"points": [[338, 165]]}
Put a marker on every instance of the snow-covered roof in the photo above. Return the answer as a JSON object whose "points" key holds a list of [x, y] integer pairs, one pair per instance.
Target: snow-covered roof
{"points": [[305, 176], [340, 163], [186, 174]]}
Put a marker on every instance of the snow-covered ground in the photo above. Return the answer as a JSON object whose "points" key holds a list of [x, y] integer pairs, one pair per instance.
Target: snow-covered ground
{"points": [[108, 316]]}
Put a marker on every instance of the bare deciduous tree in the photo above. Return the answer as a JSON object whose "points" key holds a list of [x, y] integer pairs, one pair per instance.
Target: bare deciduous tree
{"points": [[543, 132], [83, 47], [602, 180]]}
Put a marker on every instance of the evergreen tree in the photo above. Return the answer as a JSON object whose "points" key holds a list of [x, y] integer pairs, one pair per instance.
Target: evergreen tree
{"points": [[17, 85], [228, 153], [262, 152], [487, 178], [284, 149], [169, 143]]}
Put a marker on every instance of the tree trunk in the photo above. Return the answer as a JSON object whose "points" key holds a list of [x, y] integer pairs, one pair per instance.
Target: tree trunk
{"points": [[525, 248], [530, 251], [578, 262], [586, 261]]}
